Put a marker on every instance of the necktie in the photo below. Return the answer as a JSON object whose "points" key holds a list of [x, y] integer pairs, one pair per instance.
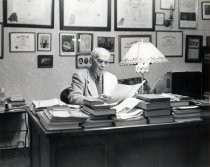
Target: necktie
{"points": [[99, 85]]}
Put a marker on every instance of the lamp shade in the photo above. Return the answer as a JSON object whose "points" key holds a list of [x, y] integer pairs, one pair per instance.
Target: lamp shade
{"points": [[143, 52]]}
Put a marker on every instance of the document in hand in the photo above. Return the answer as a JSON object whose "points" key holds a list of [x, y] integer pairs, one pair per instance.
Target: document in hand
{"points": [[122, 91]]}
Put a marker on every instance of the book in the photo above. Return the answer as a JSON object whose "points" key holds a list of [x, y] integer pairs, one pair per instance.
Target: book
{"points": [[188, 115], [152, 97], [92, 101], [157, 112], [153, 105], [180, 120], [160, 119], [89, 123], [179, 103], [48, 125], [130, 122], [99, 112]]}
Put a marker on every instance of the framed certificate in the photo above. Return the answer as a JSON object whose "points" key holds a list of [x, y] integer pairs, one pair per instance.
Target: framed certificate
{"points": [[126, 41], [134, 15], [85, 42], [90, 15], [170, 43], [22, 42], [25, 13]]}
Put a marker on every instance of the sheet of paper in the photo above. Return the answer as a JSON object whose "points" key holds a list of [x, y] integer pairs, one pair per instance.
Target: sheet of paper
{"points": [[47, 103]]}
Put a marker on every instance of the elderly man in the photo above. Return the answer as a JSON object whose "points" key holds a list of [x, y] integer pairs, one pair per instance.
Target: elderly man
{"points": [[95, 81]]}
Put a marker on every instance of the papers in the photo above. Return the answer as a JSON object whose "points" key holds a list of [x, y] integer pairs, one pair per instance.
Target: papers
{"points": [[127, 104], [122, 91], [47, 103]]}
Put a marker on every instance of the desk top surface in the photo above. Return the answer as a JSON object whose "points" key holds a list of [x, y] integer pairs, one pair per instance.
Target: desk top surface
{"points": [[115, 129]]}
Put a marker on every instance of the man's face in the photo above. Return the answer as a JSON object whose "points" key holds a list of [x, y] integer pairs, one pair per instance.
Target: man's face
{"points": [[101, 63]]}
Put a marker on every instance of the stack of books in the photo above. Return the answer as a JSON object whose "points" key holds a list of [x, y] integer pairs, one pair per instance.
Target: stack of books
{"points": [[61, 118], [156, 108], [100, 113], [15, 103], [187, 113]]}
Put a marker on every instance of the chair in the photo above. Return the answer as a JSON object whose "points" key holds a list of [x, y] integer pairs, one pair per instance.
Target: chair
{"points": [[64, 95]]}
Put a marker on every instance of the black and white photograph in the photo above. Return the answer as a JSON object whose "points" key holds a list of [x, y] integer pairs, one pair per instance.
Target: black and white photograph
{"points": [[104, 83]]}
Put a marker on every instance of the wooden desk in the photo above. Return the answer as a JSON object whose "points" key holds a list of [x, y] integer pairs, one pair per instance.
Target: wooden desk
{"points": [[174, 145]]}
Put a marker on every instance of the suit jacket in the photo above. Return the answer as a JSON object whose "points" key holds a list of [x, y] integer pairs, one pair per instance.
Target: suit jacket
{"points": [[83, 85]]}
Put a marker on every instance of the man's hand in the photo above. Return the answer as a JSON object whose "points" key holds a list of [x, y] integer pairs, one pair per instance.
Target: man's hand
{"points": [[104, 97]]}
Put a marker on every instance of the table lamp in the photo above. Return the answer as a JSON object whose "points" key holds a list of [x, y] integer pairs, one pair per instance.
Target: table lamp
{"points": [[141, 54]]}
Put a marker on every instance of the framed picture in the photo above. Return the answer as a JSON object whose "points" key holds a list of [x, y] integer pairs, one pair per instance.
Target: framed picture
{"points": [[170, 43], [45, 61], [205, 10], [112, 59], [107, 43], [1, 41], [85, 42], [167, 4], [134, 16], [68, 45], [44, 42], [126, 41], [1, 11], [208, 41], [160, 17], [206, 54], [22, 41], [188, 10], [193, 48], [83, 60], [24, 13], [85, 15]]}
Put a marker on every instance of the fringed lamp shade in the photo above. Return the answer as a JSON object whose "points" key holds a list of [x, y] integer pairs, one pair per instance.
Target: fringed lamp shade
{"points": [[142, 54]]}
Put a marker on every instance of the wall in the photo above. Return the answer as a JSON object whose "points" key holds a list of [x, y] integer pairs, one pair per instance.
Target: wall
{"points": [[19, 73]]}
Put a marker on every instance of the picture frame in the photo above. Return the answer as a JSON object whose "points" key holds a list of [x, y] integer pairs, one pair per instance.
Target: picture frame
{"points": [[112, 58], [85, 42], [188, 14], [24, 13], [1, 11], [107, 43], [167, 4], [208, 41], [193, 48], [68, 44], [22, 42], [44, 41], [79, 15], [83, 60], [126, 41], [170, 43], [45, 61], [205, 9], [1, 41], [206, 54], [138, 16], [160, 17]]}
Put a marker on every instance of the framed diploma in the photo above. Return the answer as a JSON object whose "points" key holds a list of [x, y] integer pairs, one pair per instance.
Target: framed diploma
{"points": [[170, 43], [160, 17], [1, 41], [188, 14], [167, 4], [22, 42], [90, 15], [85, 42], [134, 15], [126, 41], [193, 48], [25, 13], [68, 44]]}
